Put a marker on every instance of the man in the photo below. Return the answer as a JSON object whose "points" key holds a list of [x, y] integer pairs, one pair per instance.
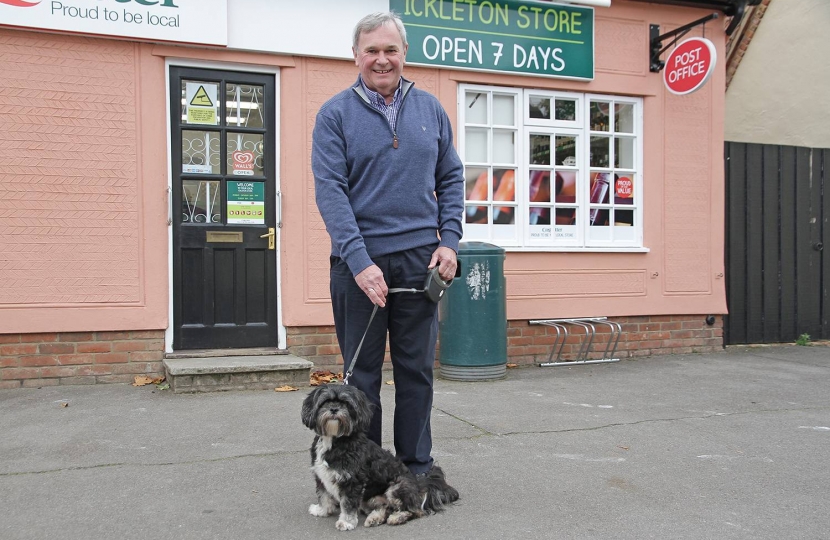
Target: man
{"points": [[389, 187]]}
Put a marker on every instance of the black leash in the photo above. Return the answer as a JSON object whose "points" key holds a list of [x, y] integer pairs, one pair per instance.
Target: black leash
{"points": [[360, 345]]}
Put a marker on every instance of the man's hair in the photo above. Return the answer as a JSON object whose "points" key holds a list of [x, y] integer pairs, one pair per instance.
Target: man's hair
{"points": [[374, 21]]}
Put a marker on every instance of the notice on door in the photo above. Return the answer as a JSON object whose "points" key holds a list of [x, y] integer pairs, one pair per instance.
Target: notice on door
{"points": [[201, 102], [246, 203]]}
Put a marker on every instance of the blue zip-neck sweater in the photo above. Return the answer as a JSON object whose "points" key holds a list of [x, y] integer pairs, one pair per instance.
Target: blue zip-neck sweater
{"points": [[375, 198]]}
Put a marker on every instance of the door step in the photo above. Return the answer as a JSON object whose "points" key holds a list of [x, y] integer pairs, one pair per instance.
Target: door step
{"points": [[191, 373]]}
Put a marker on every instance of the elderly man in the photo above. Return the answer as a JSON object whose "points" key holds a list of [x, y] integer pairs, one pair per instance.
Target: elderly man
{"points": [[389, 186]]}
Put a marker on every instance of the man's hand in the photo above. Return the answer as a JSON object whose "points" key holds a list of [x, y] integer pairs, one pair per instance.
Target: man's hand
{"points": [[370, 280], [447, 262]]}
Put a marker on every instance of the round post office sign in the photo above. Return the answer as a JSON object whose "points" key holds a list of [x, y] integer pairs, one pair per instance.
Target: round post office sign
{"points": [[689, 65]]}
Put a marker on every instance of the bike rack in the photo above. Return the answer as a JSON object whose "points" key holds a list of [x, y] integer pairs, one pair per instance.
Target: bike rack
{"points": [[589, 326]]}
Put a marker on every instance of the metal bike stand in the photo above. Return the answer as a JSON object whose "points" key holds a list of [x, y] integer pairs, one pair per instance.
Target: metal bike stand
{"points": [[587, 324]]}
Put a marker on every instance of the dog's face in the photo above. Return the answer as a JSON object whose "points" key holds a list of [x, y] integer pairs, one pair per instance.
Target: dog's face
{"points": [[336, 411]]}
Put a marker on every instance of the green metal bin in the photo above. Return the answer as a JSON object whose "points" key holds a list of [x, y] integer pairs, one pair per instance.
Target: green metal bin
{"points": [[473, 317]]}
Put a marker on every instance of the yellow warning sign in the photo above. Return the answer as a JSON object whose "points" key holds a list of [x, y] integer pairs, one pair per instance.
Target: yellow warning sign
{"points": [[201, 99]]}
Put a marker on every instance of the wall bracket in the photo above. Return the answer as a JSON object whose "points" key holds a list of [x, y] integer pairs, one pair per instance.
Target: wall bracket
{"points": [[655, 40]]}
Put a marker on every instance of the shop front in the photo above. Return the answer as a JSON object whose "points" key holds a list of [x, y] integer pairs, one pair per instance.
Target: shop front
{"points": [[158, 197]]}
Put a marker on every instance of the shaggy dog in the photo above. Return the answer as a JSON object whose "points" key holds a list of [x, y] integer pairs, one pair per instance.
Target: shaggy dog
{"points": [[354, 474]]}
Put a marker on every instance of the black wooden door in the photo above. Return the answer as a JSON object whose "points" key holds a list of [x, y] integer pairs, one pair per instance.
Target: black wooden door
{"points": [[224, 202], [778, 272]]}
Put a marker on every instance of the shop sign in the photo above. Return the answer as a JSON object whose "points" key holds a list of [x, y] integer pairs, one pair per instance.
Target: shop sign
{"points": [[689, 65], [246, 203], [526, 37], [183, 21]]}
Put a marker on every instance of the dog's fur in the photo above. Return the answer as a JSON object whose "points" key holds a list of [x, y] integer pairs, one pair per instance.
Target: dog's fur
{"points": [[354, 474]]}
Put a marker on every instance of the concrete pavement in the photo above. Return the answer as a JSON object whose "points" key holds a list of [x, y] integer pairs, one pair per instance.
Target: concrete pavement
{"points": [[722, 446]]}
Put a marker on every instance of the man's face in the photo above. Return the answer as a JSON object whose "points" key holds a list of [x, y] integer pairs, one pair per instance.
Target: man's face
{"points": [[380, 57]]}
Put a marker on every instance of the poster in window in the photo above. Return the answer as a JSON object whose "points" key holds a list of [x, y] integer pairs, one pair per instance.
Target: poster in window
{"points": [[246, 203]]}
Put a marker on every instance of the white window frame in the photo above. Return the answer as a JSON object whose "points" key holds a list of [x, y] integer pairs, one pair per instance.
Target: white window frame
{"points": [[521, 235]]}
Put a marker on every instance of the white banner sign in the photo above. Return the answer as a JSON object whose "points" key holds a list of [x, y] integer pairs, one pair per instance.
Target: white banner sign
{"points": [[184, 21]]}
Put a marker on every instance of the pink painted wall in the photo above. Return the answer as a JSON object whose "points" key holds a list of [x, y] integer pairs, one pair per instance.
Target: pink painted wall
{"points": [[83, 183], [83, 208]]}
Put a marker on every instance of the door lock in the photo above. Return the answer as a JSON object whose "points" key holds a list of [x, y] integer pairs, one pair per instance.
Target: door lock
{"points": [[272, 233]]}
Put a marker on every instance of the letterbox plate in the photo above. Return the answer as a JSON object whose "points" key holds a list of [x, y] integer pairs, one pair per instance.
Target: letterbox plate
{"points": [[222, 236]]}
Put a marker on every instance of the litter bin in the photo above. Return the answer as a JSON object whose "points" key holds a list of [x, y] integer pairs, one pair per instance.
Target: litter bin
{"points": [[473, 317]]}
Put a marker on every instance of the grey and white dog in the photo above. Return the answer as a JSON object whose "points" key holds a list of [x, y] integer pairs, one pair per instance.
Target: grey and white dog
{"points": [[354, 474]]}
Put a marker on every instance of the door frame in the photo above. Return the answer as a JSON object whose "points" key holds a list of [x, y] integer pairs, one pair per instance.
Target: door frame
{"points": [[198, 64]]}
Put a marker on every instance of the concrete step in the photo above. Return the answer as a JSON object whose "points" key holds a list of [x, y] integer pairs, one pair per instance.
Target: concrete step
{"points": [[209, 373]]}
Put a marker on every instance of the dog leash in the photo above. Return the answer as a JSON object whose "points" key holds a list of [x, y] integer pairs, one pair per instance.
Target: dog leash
{"points": [[360, 345]]}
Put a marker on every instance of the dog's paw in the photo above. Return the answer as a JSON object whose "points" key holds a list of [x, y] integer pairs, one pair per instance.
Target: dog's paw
{"points": [[375, 518], [399, 518], [345, 524], [318, 510]]}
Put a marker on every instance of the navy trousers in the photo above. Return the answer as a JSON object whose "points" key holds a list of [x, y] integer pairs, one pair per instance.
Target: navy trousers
{"points": [[411, 322]]}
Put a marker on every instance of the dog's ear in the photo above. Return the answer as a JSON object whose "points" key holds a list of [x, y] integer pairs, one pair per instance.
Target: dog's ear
{"points": [[362, 408], [309, 411]]}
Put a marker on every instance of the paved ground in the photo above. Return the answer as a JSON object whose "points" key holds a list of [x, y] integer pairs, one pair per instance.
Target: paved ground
{"points": [[731, 445]]}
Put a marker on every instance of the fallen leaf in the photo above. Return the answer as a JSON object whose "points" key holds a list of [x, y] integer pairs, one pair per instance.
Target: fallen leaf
{"points": [[285, 388], [325, 377], [623, 447], [64, 405], [512, 365], [390, 383], [144, 380]]}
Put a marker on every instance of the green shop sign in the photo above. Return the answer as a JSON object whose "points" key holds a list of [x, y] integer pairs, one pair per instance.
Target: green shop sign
{"points": [[529, 37]]}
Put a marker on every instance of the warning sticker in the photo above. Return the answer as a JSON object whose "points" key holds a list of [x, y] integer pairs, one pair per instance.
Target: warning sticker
{"points": [[201, 103]]}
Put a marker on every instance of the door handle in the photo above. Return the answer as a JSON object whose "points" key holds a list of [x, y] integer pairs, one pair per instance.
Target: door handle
{"points": [[272, 233]]}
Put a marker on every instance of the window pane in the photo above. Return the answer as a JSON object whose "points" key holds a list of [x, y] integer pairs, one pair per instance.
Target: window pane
{"points": [[245, 154], [504, 185], [624, 118], [539, 107], [599, 116], [504, 215], [600, 151], [624, 190], [624, 152], [566, 216], [566, 109], [566, 151], [599, 218], [201, 201], [244, 104], [540, 149], [476, 145], [475, 184], [566, 187], [539, 216], [476, 103], [624, 218], [539, 186], [475, 214], [504, 109], [504, 146], [600, 186], [200, 152]]}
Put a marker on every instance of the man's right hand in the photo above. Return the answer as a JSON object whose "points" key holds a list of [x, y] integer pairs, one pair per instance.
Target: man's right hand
{"points": [[370, 280]]}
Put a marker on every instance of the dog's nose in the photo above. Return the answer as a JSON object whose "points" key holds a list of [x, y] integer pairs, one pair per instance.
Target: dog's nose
{"points": [[333, 410]]}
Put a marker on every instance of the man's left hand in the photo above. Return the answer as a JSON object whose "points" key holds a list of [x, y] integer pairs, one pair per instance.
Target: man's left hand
{"points": [[447, 262]]}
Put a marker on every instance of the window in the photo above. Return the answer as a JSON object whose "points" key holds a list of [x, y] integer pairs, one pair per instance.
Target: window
{"points": [[550, 170]]}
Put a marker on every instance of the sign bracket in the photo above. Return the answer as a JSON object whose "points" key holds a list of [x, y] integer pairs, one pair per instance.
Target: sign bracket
{"points": [[656, 40]]}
